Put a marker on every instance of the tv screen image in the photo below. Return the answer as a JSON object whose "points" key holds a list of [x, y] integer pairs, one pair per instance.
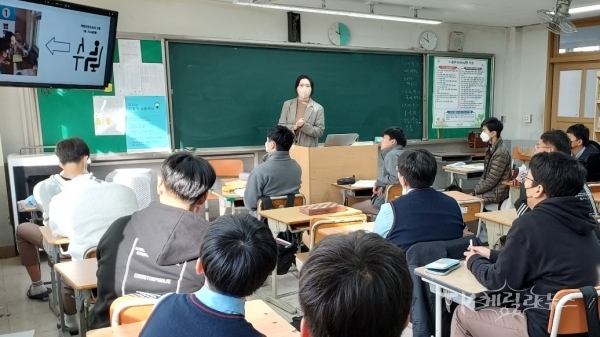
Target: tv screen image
{"points": [[46, 43]]}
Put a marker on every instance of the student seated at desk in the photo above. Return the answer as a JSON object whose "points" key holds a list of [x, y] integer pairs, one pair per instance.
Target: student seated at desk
{"points": [[581, 145], [73, 154], [411, 218], [392, 145], [556, 141], [548, 249], [236, 257], [279, 175], [496, 165], [83, 211], [154, 251], [355, 285]]}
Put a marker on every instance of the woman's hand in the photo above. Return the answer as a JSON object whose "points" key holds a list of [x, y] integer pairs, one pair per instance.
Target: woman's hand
{"points": [[300, 123]]}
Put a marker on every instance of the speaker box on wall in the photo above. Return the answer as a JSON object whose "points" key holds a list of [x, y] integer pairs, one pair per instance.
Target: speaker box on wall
{"points": [[294, 27]]}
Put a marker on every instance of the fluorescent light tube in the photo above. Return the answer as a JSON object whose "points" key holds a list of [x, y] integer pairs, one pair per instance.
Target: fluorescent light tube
{"points": [[584, 9], [339, 12]]}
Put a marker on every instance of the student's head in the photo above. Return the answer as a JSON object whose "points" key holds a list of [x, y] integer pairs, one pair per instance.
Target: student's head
{"points": [[10, 36], [237, 255], [393, 136], [355, 285], [554, 140], [279, 138], [185, 180], [579, 135], [73, 154], [304, 87], [553, 175], [416, 169], [491, 129]]}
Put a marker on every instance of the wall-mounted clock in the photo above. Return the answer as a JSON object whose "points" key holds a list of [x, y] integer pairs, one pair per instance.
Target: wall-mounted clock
{"points": [[428, 40], [339, 34]]}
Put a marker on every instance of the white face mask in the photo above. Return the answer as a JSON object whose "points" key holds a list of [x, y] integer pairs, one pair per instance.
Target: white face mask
{"points": [[267, 146], [485, 137], [304, 93]]}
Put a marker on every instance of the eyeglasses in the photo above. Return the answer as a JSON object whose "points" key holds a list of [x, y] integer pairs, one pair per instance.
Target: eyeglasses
{"points": [[533, 182]]}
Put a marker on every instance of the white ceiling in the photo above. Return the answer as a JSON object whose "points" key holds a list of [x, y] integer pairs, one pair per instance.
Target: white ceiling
{"points": [[503, 13]]}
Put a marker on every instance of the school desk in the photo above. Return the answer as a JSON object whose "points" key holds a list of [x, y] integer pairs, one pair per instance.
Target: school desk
{"points": [[466, 157], [52, 247], [282, 219], [258, 313], [81, 275], [226, 200], [359, 192], [498, 223], [367, 226], [459, 286], [466, 172]]}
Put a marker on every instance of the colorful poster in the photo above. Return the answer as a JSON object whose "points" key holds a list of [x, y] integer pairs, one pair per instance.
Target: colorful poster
{"points": [[109, 116], [147, 128], [459, 92]]}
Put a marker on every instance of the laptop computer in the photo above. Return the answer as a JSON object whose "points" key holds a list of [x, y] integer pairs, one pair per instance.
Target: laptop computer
{"points": [[345, 139]]}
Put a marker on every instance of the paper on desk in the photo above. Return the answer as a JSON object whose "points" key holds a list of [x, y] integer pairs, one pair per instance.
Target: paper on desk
{"points": [[128, 80], [29, 333], [364, 183], [130, 51], [240, 192], [153, 79], [109, 115]]}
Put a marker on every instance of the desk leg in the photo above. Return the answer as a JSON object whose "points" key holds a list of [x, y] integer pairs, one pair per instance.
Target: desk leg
{"points": [[344, 197], [438, 311], [276, 227], [63, 329], [80, 302], [232, 205], [54, 257]]}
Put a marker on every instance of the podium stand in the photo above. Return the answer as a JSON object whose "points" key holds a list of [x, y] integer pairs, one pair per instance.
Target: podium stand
{"points": [[322, 166]]}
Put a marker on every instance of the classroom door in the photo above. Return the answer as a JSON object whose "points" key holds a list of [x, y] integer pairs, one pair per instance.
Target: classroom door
{"points": [[574, 95]]}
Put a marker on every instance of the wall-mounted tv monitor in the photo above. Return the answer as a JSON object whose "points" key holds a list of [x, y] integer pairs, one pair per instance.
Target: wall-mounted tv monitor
{"points": [[56, 44]]}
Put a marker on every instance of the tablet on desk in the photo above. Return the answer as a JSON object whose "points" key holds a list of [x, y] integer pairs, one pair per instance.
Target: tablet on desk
{"points": [[442, 266]]}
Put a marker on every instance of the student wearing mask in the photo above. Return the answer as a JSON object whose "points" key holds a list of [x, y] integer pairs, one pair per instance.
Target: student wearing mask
{"points": [[392, 145], [410, 219], [543, 254], [581, 146], [279, 175], [496, 166], [355, 285], [302, 115]]}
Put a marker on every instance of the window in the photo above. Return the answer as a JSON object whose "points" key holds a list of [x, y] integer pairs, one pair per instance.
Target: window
{"points": [[586, 39]]}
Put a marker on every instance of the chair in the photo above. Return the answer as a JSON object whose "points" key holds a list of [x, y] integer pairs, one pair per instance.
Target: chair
{"points": [[518, 155], [129, 309], [90, 253], [224, 168], [280, 202], [567, 315], [321, 223], [392, 192], [301, 260], [142, 181]]}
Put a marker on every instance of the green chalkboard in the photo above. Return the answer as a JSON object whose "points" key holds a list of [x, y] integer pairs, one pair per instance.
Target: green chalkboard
{"points": [[462, 132], [226, 96], [70, 113]]}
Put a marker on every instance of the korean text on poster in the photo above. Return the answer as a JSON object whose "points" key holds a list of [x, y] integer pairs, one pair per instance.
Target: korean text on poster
{"points": [[147, 124]]}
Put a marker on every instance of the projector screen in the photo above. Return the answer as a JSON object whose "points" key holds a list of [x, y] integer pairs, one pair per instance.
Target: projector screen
{"points": [[46, 43]]}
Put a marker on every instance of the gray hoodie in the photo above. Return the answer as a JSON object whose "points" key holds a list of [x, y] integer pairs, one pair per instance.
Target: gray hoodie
{"points": [[388, 174]]}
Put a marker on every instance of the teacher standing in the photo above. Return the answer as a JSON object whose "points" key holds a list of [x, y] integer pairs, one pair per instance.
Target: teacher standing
{"points": [[302, 115]]}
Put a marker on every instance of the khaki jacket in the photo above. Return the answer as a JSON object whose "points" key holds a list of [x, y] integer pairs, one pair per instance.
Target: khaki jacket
{"points": [[314, 122], [496, 170]]}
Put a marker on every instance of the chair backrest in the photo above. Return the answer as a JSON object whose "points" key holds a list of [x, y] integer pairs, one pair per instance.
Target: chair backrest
{"points": [[90, 253], [516, 154], [567, 315], [142, 181], [392, 192], [127, 309], [594, 186], [279, 202], [321, 223], [227, 167]]}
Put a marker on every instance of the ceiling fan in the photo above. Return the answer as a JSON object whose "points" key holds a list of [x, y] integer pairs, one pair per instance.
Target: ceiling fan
{"points": [[558, 21]]}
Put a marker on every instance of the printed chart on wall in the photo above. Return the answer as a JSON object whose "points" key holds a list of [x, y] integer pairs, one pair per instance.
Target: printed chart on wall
{"points": [[460, 92], [138, 108]]}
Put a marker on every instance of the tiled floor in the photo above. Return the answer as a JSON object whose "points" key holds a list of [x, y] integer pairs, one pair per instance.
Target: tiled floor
{"points": [[18, 313]]}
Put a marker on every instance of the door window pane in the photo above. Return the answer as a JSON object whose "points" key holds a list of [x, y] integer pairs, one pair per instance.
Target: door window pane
{"points": [[569, 93], [586, 39], [590, 93]]}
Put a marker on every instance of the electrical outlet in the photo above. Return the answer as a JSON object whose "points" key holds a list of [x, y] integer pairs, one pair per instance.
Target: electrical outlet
{"points": [[527, 118]]}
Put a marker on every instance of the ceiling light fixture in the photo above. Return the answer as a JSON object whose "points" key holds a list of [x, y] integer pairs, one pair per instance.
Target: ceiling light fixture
{"points": [[584, 9], [339, 12]]}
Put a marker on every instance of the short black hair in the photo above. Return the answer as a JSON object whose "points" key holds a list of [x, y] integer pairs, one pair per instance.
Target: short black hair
{"points": [[418, 167], [282, 136], [238, 253], [397, 134], [71, 150], [560, 174], [558, 139], [493, 124], [312, 85], [355, 285], [580, 131], [189, 177]]}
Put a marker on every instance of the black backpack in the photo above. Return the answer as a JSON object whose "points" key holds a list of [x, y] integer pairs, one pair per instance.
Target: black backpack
{"points": [[286, 255]]}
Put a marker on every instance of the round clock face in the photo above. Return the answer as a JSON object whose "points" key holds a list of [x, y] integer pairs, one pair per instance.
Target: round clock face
{"points": [[339, 34], [428, 40]]}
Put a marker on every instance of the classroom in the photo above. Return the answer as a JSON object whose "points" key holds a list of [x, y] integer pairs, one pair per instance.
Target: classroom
{"points": [[433, 140]]}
